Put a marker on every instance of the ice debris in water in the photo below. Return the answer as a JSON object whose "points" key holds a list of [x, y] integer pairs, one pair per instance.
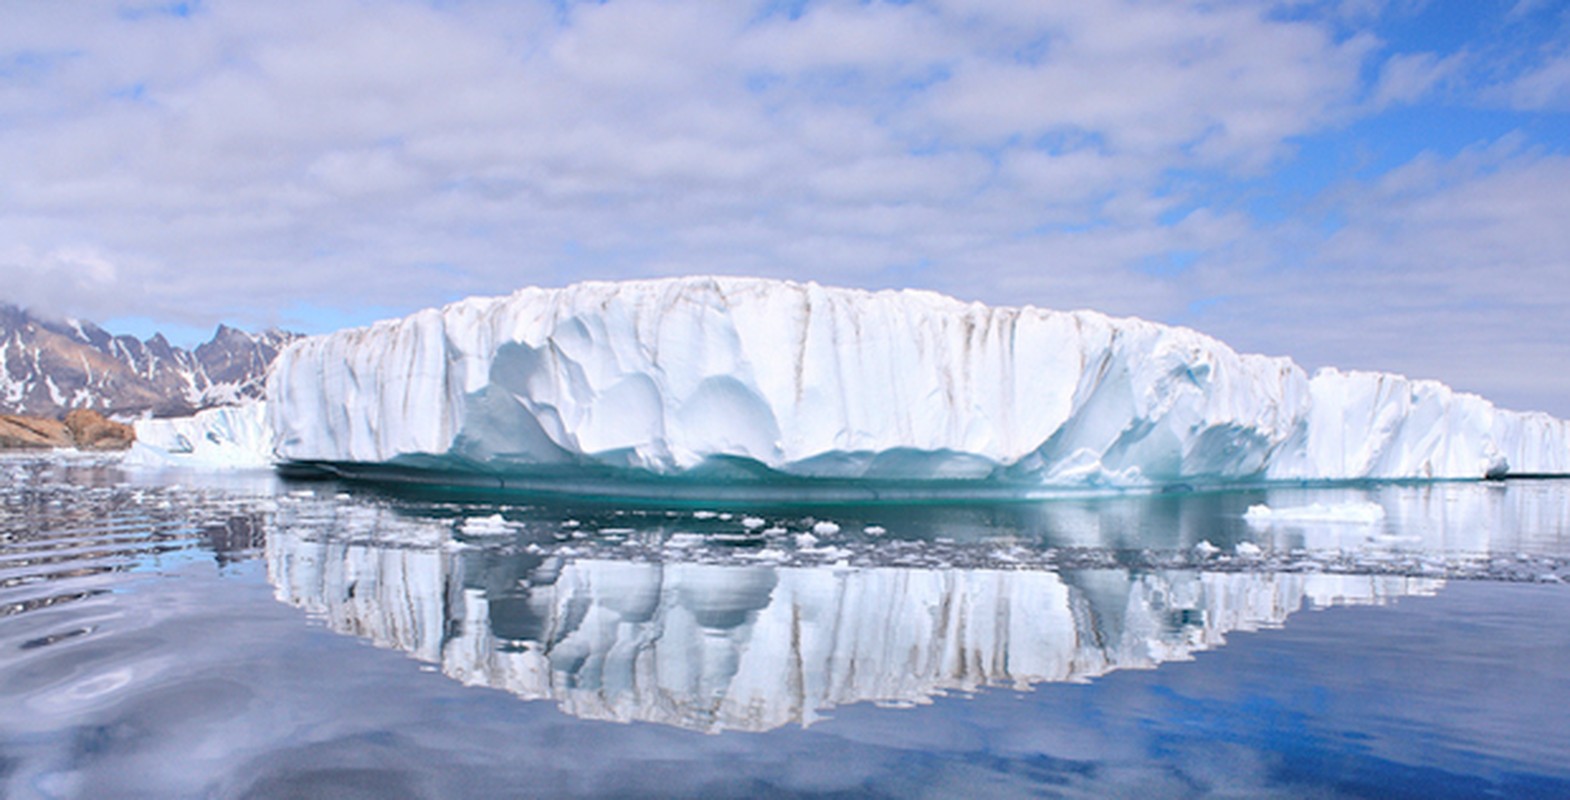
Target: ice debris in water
{"points": [[752, 523], [825, 528], [485, 526], [1248, 550], [1205, 549]]}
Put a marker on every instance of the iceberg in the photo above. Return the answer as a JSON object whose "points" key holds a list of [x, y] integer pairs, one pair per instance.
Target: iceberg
{"points": [[227, 437], [641, 386]]}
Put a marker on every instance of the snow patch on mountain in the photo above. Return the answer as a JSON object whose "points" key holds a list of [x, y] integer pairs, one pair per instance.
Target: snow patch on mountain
{"points": [[49, 367]]}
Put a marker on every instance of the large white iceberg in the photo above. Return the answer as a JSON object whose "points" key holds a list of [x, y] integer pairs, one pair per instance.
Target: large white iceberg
{"points": [[735, 377]]}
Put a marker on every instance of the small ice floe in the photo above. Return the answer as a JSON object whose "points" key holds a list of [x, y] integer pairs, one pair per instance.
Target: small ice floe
{"points": [[570, 523], [736, 539], [1247, 550], [1394, 539], [825, 528], [1346, 513], [484, 526], [751, 523], [830, 554], [682, 541], [775, 531], [1205, 549], [806, 540], [874, 530], [705, 514]]}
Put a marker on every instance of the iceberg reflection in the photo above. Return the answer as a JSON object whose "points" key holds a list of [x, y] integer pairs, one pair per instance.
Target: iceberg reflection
{"points": [[753, 647]]}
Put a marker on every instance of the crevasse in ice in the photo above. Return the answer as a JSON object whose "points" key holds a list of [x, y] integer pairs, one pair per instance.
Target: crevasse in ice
{"points": [[774, 378]]}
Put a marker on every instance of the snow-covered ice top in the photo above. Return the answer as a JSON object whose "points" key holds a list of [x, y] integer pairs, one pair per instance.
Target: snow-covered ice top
{"points": [[668, 377]]}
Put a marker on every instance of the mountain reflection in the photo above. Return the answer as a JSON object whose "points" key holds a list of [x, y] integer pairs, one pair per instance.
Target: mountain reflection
{"points": [[750, 647]]}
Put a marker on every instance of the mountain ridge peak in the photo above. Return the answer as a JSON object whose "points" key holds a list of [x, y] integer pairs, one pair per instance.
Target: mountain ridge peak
{"points": [[49, 367]]}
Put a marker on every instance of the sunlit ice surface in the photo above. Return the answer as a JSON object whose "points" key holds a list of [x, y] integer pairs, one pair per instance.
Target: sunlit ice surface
{"points": [[204, 634]]}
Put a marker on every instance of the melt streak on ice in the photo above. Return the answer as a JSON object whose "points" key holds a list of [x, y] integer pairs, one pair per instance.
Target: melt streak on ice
{"points": [[666, 377]]}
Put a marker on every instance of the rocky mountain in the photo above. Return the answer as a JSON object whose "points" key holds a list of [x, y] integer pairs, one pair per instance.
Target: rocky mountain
{"points": [[48, 368]]}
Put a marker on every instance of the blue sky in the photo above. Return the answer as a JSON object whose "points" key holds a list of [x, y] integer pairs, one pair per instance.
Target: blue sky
{"points": [[1373, 185]]}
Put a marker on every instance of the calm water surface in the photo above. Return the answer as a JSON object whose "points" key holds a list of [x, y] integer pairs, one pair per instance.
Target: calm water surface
{"points": [[183, 635]]}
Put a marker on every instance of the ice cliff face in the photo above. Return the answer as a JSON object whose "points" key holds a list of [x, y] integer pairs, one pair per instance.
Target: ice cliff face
{"points": [[720, 376], [232, 437]]}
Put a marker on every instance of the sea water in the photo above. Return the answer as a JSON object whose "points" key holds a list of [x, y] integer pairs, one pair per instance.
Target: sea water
{"points": [[168, 634]]}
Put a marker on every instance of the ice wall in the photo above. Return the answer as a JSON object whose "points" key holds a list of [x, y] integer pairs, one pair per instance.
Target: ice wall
{"points": [[234, 437], [673, 377]]}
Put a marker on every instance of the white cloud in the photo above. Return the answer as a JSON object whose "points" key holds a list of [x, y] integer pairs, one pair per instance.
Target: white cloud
{"points": [[253, 158], [1544, 88], [76, 276], [1409, 77], [1453, 268]]}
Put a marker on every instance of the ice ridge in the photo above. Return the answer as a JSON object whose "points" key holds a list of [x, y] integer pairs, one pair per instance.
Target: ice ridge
{"points": [[736, 378]]}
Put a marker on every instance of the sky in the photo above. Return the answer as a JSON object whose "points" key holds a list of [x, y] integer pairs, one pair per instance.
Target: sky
{"points": [[1360, 184]]}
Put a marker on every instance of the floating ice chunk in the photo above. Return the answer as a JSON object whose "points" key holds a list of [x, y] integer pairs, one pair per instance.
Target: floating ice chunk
{"points": [[806, 540], [1365, 513], [874, 530], [485, 526], [682, 541], [825, 528], [230, 437], [1205, 549], [705, 514], [1247, 549], [751, 523]]}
